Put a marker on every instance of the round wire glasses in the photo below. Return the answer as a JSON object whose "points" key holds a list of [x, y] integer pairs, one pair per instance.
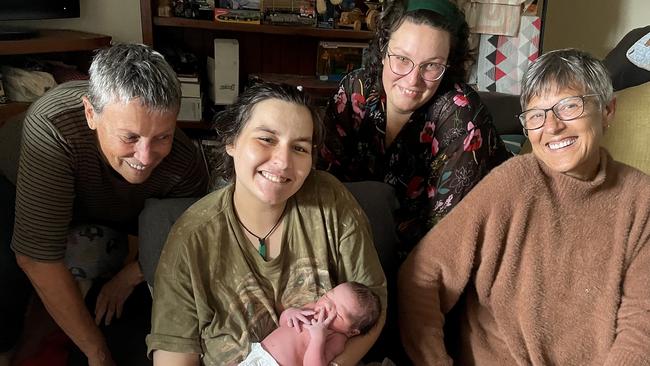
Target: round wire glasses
{"points": [[566, 109], [402, 65]]}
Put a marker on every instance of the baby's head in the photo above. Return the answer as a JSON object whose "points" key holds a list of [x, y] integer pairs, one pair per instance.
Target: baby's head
{"points": [[357, 308]]}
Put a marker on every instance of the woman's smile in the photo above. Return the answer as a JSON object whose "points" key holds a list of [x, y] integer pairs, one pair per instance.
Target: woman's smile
{"points": [[273, 177]]}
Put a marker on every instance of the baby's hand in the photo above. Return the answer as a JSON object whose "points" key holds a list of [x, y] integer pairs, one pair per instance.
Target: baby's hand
{"points": [[296, 317], [320, 323]]}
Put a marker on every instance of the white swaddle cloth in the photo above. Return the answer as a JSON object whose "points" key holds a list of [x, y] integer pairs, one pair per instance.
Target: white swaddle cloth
{"points": [[258, 357]]}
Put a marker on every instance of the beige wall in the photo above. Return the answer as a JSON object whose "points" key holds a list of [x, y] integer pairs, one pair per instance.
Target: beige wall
{"points": [[117, 18], [595, 26]]}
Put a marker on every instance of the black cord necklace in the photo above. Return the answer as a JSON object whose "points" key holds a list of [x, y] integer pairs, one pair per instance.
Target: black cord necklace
{"points": [[261, 239]]}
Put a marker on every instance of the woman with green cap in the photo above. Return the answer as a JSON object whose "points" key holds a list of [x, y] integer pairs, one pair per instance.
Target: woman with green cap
{"points": [[407, 118]]}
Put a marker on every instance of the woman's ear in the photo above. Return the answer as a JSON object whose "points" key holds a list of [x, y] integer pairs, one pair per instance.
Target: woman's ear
{"points": [[230, 149], [608, 113], [89, 111]]}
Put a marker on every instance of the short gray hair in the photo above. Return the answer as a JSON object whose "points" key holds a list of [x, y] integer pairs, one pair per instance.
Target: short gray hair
{"points": [[127, 71], [566, 68]]}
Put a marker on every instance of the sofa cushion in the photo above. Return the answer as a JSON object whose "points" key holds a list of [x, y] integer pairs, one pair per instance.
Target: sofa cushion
{"points": [[514, 143], [627, 137], [624, 73], [155, 221], [503, 108]]}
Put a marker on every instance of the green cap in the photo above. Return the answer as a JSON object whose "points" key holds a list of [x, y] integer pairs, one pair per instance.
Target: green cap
{"points": [[443, 7]]}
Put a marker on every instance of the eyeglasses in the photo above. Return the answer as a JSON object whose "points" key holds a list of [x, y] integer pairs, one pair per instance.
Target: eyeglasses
{"points": [[402, 65], [566, 109]]}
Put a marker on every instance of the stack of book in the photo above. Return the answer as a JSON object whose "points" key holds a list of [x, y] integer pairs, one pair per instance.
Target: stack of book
{"points": [[191, 108]]}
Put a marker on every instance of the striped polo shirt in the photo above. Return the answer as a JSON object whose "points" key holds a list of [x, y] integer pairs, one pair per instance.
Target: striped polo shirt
{"points": [[64, 180]]}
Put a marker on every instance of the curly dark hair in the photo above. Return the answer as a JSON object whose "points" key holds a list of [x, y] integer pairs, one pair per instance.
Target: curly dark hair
{"points": [[229, 123], [395, 14]]}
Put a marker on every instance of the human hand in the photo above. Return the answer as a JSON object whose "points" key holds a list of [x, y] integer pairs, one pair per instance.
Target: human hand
{"points": [[295, 317], [101, 358], [320, 323], [115, 292]]}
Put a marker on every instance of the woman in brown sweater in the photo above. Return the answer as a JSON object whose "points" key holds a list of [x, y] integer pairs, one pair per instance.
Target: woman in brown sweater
{"points": [[553, 268]]}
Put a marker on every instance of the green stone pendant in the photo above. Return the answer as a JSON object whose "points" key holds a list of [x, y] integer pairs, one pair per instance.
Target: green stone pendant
{"points": [[262, 249]]}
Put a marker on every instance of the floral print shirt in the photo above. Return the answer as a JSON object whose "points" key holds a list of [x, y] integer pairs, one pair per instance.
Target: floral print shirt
{"points": [[445, 148]]}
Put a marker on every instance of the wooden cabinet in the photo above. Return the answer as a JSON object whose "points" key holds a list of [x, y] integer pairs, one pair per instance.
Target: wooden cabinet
{"points": [[57, 42], [268, 50], [262, 48], [54, 40]]}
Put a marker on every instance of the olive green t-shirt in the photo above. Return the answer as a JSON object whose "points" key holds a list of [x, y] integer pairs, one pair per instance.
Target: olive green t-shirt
{"points": [[214, 294]]}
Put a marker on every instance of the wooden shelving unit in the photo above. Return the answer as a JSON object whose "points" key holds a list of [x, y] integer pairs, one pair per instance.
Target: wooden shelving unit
{"points": [[321, 33], [47, 41], [51, 40], [289, 51], [150, 23]]}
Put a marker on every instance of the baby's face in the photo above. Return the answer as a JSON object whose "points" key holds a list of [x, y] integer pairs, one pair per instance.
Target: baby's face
{"points": [[342, 300]]}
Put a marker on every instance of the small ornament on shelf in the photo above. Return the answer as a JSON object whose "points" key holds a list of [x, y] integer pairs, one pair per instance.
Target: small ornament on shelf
{"points": [[290, 12], [165, 8], [372, 15], [194, 9], [352, 19]]}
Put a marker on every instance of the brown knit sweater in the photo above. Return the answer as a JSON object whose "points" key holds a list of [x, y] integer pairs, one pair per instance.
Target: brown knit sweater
{"points": [[556, 271]]}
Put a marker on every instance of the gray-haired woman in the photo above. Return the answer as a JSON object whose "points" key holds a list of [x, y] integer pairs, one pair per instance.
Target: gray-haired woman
{"points": [[92, 152], [551, 250]]}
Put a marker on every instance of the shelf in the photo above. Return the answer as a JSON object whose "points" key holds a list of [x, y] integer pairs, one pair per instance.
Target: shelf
{"points": [[51, 40], [11, 109], [314, 32], [320, 91]]}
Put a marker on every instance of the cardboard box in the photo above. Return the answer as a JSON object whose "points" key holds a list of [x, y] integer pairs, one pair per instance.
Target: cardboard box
{"points": [[223, 71], [191, 110], [192, 90]]}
